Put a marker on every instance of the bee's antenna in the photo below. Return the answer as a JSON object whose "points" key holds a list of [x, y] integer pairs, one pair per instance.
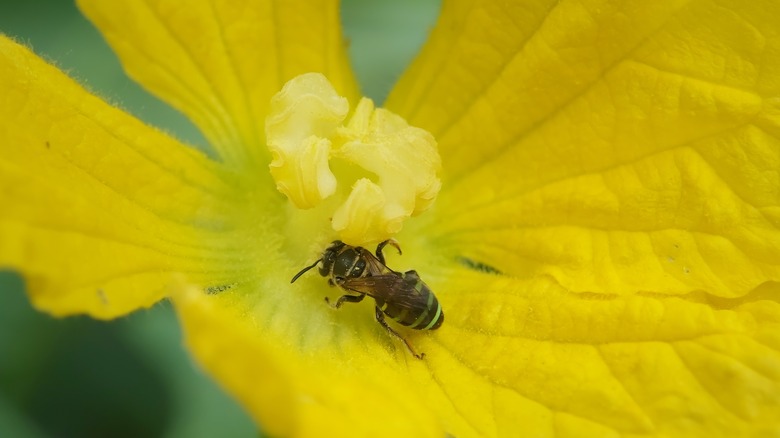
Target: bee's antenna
{"points": [[304, 270]]}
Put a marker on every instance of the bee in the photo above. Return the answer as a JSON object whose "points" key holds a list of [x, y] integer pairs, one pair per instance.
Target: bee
{"points": [[402, 296]]}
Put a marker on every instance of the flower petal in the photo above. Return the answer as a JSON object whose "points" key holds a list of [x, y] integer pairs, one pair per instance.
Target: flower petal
{"points": [[220, 62], [87, 190], [295, 393], [530, 356], [615, 146]]}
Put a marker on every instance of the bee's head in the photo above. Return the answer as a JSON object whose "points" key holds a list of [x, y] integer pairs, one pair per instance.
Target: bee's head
{"points": [[328, 259], [339, 261]]}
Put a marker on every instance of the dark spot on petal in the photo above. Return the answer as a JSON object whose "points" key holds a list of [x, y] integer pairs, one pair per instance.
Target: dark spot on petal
{"points": [[478, 266], [213, 290]]}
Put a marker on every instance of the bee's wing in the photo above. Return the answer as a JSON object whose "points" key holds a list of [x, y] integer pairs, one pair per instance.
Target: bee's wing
{"points": [[374, 266], [389, 287]]}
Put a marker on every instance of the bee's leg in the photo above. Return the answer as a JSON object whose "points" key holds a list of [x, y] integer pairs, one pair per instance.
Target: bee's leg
{"points": [[380, 318], [381, 246], [335, 281], [347, 298]]}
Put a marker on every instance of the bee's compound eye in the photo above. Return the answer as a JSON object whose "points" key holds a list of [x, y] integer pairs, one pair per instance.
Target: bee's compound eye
{"points": [[324, 270], [327, 262]]}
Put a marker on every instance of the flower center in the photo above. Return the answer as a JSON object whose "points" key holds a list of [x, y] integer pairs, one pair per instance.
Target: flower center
{"points": [[397, 165]]}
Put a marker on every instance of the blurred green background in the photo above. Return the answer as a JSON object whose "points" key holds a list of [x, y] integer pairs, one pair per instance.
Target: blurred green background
{"points": [[77, 377]]}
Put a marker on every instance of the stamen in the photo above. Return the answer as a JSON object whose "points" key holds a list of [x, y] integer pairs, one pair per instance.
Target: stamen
{"points": [[305, 129]]}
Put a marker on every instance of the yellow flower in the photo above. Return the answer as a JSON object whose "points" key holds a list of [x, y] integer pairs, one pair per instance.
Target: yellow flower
{"points": [[606, 241]]}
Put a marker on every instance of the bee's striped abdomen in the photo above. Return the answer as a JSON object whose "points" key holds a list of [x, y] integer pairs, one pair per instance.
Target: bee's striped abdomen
{"points": [[427, 313]]}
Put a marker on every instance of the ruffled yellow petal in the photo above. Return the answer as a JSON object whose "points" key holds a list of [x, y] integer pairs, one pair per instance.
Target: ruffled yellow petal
{"points": [[99, 210], [302, 118], [614, 146], [306, 127], [406, 163], [220, 64], [352, 390]]}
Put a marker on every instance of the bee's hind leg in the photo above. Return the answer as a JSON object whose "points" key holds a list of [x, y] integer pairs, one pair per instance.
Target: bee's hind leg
{"points": [[347, 298], [380, 318], [382, 245]]}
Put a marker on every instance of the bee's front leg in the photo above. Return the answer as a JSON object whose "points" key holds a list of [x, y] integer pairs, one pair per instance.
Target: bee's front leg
{"points": [[381, 246], [347, 298]]}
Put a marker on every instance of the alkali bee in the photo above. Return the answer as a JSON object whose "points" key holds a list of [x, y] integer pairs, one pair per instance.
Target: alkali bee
{"points": [[404, 297]]}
